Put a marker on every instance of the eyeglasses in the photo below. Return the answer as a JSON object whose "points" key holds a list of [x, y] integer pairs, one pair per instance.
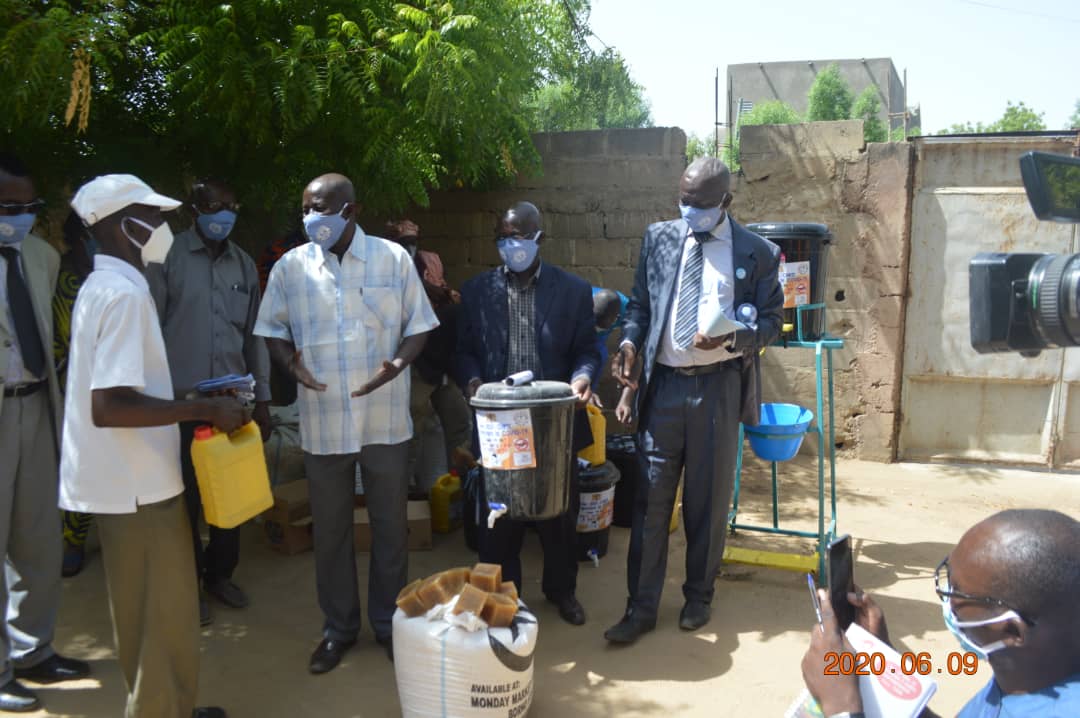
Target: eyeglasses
{"points": [[10, 208], [945, 592]]}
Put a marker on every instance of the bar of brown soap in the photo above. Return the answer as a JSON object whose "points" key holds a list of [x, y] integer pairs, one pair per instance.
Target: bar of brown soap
{"points": [[509, 589], [436, 590], [409, 602], [471, 599], [455, 579], [487, 576], [499, 610]]}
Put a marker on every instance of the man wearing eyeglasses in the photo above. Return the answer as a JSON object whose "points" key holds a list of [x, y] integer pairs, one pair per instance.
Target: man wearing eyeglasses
{"points": [[207, 297], [529, 315], [1009, 594], [30, 531]]}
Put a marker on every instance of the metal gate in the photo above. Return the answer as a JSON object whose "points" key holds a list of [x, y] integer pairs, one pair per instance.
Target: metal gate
{"points": [[957, 404]]}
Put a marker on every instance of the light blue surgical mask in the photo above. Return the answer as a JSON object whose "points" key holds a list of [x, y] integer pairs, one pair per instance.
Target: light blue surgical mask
{"points": [[15, 227], [518, 253], [701, 220], [956, 627], [216, 226], [325, 229]]}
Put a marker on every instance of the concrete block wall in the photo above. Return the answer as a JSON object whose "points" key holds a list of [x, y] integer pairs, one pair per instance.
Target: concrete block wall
{"points": [[824, 172], [598, 192]]}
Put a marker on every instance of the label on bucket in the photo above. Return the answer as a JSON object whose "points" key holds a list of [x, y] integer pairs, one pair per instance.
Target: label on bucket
{"points": [[795, 279], [506, 439], [597, 510]]}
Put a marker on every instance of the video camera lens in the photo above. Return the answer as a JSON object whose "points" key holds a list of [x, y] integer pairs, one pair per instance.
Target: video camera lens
{"points": [[1053, 286]]}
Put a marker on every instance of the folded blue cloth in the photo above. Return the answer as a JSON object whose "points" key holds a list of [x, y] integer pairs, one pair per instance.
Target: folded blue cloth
{"points": [[242, 383]]}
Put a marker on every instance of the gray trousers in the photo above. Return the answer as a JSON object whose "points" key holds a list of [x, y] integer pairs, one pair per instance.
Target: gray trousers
{"points": [[332, 485], [30, 531], [153, 597], [691, 424]]}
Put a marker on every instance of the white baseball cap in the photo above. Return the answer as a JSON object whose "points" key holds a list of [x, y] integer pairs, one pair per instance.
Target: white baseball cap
{"points": [[104, 195]]}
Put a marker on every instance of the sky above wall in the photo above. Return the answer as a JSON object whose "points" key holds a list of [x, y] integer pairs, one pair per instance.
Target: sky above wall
{"points": [[965, 58]]}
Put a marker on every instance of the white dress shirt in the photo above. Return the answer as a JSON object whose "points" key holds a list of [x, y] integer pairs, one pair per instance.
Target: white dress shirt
{"points": [[717, 294], [15, 373], [347, 318], [116, 341]]}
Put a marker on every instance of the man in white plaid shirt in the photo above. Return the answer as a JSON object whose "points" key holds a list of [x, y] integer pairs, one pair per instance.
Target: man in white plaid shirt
{"points": [[344, 314]]}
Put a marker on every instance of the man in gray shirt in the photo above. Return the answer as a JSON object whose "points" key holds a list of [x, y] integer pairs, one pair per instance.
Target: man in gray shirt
{"points": [[207, 296]]}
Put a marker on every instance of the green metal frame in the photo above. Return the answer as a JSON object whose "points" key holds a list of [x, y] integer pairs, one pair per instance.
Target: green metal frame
{"points": [[825, 533]]}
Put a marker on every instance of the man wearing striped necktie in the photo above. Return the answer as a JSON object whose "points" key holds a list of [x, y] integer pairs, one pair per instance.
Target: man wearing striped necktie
{"points": [[698, 382]]}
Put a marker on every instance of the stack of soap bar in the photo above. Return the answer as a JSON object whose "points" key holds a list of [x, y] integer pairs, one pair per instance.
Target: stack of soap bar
{"points": [[471, 599], [499, 610], [487, 576], [509, 589], [409, 600]]}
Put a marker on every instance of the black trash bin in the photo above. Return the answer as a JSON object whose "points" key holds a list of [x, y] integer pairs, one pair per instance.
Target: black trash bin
{"points": [[622, 453], [597, 490], [801, 242]]}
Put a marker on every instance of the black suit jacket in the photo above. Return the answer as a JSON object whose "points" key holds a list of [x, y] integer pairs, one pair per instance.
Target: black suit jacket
{"points": [[654, 290]]}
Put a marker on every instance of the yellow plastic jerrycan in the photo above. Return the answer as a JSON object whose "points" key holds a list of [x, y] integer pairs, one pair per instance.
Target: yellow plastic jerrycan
{"points": [[597, 453], [232, 476], [447, 503]]}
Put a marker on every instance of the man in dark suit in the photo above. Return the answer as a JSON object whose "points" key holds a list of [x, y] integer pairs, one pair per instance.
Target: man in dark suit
{"points": [[697, 387], [530, 316]]}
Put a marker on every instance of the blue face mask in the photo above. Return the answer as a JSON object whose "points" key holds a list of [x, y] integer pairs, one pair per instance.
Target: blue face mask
{"points": [[14, 228], [218, 225], [701, 220], [518, 253], [956, 627], [324, 229]]}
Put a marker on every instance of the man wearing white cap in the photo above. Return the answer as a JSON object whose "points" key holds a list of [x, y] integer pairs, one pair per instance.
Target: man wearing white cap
{"points": [[121, 449]]}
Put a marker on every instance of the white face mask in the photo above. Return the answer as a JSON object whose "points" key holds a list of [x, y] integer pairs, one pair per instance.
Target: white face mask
{"points": [[157, 246], [956, 627]]}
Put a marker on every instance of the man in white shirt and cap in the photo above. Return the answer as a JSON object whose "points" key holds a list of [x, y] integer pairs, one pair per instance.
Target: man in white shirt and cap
{"points": [[120, 456]]}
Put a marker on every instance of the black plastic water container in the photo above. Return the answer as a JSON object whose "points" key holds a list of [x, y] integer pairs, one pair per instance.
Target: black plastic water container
{"points": [[802, 242], [597, 490]]}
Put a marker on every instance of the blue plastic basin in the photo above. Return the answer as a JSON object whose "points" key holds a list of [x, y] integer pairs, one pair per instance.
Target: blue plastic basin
{"points": [[781, 431]]}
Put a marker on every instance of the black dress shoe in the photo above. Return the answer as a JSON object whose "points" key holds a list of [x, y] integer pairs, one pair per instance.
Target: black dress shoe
{"points": [[570, 610], [17, 698], [387, 642], [694, 615], [628, 630], [328, 655], [208, 712], [54, 669], [228, 593]]}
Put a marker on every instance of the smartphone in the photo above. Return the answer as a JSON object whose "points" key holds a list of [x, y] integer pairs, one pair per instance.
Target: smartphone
{"points": [[841, 576]]}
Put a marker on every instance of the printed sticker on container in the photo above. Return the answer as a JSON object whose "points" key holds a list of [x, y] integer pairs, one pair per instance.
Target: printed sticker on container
{"points": [[795, 279], [597, 510], [506, 439]]}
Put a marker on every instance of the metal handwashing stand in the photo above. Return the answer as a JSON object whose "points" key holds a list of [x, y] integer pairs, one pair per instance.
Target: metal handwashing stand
{"points": [[825, 533]]}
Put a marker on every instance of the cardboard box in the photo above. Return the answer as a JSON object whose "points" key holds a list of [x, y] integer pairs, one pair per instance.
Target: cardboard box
{"points": [[290, 538], [291, 502], [419, 527], [287, 524]]}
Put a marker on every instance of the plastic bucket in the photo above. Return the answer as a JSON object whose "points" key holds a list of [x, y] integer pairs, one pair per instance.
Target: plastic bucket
{"points": [[526, 439], [780, 432], [597, 492]]}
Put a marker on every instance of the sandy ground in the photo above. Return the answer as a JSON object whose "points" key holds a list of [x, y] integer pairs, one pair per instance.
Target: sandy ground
{"points": [[904, 518]]}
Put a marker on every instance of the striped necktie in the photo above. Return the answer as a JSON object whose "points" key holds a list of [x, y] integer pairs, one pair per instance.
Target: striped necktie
{"points": [[686, 313]]}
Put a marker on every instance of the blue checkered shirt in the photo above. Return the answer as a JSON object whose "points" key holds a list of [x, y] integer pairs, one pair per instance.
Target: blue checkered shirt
{"points": [[348, 318]]}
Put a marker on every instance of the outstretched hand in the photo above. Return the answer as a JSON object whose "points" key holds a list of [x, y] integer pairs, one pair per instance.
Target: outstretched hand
{"points": [[303, 375], [624, 366], [389, 370]]}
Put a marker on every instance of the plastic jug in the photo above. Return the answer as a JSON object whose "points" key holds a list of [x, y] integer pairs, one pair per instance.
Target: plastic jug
{"points": [[232, 476], [597, 453], [447, 503]]}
